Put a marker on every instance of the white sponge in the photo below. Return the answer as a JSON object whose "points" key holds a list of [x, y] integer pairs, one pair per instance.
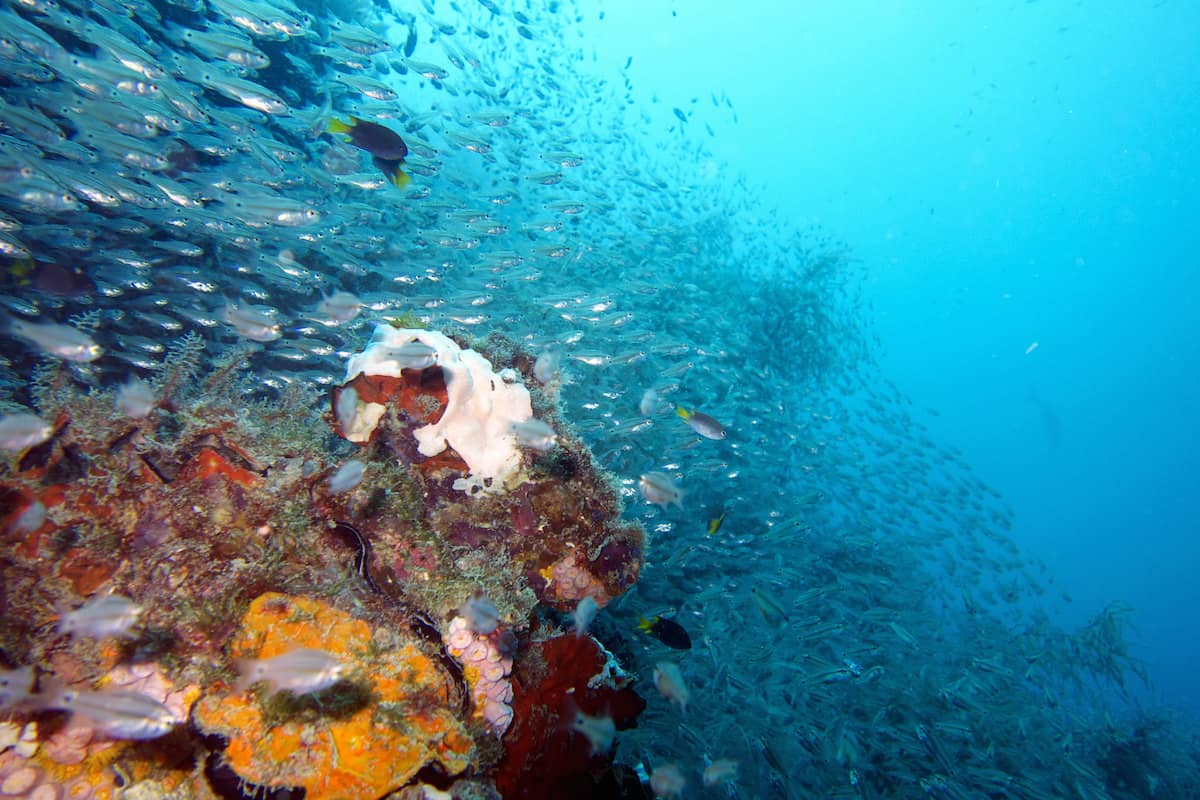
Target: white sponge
{"points": [[478, 419]]}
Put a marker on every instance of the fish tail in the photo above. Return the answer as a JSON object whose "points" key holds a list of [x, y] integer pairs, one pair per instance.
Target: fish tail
{"points": [[53, 695], [644, 624], [21, 269], [400, 178], [337, 126], [682, 413], [246, 674]]}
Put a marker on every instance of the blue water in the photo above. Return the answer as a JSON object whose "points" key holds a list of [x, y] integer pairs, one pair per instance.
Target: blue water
{"points": [[1009, 174]]}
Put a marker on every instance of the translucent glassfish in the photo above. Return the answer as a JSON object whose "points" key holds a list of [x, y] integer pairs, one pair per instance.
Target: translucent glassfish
{"points": [[22, 430], [535, 434], [658, 488], [300, 671], [60, 341], [119, 713], [101, 617]]}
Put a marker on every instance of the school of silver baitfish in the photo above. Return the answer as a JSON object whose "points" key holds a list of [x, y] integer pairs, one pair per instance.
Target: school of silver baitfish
{"points": [[859, 622]]}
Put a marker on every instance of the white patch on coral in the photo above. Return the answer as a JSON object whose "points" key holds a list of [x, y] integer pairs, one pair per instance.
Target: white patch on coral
{"points": [[478, 418], [611, 674], [362, 421]]}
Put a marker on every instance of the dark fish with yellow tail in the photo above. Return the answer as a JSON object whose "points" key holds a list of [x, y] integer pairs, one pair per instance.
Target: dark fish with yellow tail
{"points": [[667, 631], [715, 523], [387, 149]]}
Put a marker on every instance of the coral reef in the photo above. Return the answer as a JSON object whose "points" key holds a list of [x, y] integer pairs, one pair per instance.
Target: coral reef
{"points": [[216, 517]]}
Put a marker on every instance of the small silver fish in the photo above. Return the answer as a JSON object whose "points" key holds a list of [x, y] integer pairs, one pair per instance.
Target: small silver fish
{"points": [[119, 713], [535, 434], [101, 617], [658, 488], [774, 613], [412, 355], [339, 307], [23, 430], [15, 686], [256, 323], [301, 671], [60, 341], [135, 399], [585, 612]]}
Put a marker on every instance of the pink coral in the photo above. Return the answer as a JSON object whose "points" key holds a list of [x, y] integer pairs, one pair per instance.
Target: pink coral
{"points": [[79, 739], [569, 581], [21, 779], [486, 669], [148, 679], [74, 742]]}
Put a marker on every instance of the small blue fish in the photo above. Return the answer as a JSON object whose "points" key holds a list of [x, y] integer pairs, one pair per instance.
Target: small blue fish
{"points": [[481, 614], [599, 730], [301, 671], [348, 476]]}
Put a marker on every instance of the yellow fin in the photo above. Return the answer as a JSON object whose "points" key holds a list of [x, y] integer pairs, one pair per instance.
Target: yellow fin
{"points": [[337, 126], [401, 178], [682, 412]]}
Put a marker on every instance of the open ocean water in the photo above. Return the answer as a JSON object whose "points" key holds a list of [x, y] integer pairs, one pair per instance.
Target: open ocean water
{"points": [[930, 269]]}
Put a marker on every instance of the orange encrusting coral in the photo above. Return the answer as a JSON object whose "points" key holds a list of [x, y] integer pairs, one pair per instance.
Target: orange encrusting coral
{"points": [[86, 570], [405, 722], [209, 463]]}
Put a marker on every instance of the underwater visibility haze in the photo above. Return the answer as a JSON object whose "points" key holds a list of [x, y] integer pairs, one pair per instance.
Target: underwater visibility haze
{"points": [[596, 400]]}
